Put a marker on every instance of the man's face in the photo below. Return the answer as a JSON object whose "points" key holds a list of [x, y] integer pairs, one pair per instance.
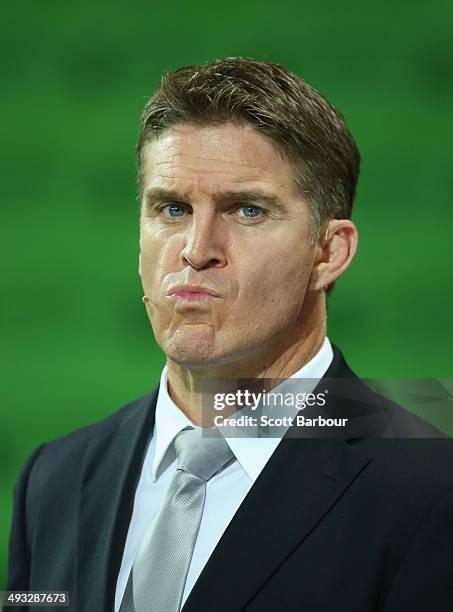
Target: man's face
{"points": [[220, 212]]}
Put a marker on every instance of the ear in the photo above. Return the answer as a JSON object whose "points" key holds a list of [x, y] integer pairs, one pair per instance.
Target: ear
{"points": [[336, 248]]}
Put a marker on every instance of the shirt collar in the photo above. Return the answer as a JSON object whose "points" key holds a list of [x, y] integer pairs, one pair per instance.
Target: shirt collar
{"points": [[251, 453], [170, 420]]}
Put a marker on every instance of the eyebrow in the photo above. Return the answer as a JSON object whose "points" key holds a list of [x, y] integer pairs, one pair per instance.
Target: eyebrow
{"points": [[156, 194]]}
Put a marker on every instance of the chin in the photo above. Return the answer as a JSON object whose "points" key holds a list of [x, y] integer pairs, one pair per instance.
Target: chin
{"points": [[191, 346]]}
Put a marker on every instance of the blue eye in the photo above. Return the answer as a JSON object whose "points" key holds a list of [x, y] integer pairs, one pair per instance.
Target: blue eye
{"points": [[250, 211], [173, 210]]}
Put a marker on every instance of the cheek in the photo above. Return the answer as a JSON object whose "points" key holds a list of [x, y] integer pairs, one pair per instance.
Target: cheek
{"points": [[274, 274], [159, 255], [272, 290]]}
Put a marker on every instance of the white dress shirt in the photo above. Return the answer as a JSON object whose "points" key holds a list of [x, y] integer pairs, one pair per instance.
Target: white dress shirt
{"points": [[225, 491]]}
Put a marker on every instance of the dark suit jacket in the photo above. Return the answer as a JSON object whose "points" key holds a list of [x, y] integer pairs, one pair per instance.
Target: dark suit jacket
{"points": [[331, 525]]}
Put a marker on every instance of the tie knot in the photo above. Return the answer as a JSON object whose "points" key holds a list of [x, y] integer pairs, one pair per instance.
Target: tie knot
{"points": [[201, 456]]}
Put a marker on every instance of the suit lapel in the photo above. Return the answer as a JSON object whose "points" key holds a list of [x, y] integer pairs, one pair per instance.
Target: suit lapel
{"points": [[302, 481], [109, 478]]}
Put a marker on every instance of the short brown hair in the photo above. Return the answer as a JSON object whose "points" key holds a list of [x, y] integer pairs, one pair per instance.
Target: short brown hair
{"points": [[307, 129]]}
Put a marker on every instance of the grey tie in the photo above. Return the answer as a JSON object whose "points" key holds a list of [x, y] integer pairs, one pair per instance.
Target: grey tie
{"points": [[159, 572]]}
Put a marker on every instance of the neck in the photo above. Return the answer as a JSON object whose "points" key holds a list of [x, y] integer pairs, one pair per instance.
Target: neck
{"points": [[281, 360]]}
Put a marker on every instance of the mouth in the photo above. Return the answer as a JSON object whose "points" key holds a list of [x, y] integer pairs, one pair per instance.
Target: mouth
{"points": [[192, 293]]}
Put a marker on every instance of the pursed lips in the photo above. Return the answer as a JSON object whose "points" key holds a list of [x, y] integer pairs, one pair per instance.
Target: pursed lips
{"points": [[192, 293]]}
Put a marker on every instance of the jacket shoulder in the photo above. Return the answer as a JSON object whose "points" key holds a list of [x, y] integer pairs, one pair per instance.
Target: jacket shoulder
{"points": [[108, 424], [54, 454]]}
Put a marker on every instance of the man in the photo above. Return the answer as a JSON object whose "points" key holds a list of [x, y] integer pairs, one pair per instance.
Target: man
{"points": [[247, 178]]}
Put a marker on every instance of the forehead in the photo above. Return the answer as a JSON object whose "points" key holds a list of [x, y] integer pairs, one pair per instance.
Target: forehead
{"points": [[212, 158]]}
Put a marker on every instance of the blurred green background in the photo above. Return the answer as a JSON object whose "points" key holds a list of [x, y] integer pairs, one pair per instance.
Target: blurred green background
{"points": [[76, 343]]}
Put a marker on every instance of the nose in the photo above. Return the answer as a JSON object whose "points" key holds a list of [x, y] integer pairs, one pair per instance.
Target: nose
{"points": [[205, 242]]}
